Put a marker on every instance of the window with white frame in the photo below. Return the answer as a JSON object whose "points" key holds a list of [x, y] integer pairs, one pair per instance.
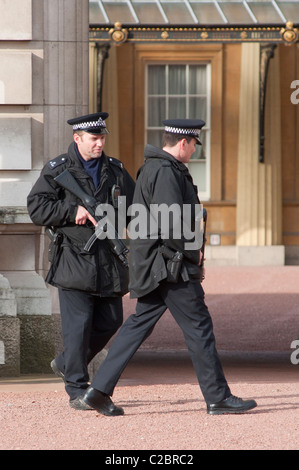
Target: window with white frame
{"points": [[181, 91]]}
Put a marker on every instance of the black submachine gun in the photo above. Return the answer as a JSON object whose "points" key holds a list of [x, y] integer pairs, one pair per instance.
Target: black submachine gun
{"points": [[116, 245]]}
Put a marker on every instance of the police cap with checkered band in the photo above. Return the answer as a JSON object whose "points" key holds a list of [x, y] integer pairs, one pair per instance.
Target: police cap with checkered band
{"points": [[184, 127], [92, 123]]}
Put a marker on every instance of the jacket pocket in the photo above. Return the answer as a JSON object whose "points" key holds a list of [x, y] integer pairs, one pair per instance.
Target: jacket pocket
{"points": [[75, 269]]}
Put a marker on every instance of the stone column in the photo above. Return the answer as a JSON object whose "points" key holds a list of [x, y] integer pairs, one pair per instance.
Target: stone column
{"points": [[259, 184], [273, 177], [43, 83], [66, 77], [66, 88]]}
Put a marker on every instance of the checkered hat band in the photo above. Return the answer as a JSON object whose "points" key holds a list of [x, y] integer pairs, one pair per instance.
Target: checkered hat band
{"points": [[87, 125], [179, 130]]}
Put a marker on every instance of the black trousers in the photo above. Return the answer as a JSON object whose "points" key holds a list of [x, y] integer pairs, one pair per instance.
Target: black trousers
{"points": [[185, 300], [88, 323]]}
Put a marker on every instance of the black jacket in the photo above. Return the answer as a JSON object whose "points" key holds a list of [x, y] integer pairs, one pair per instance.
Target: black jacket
{"points": [[161, 180], [99, 271]]}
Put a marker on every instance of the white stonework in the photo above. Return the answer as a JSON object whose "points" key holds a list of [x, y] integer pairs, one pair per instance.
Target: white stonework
{"points": [[8, 305], [32, 296], [16, 20], [13, 193], [16, 77], [15, 151]]}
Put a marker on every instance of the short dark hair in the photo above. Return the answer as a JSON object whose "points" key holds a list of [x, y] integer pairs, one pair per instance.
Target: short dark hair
{"points": [[169, 139], [78, 131]]}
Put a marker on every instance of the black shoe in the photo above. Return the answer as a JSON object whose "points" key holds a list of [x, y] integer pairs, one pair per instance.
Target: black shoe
{"points": [[101, 403], [231, 405], [57, 371], [79, 404]]}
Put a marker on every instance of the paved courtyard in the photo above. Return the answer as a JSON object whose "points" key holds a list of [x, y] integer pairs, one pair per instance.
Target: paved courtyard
{"points": [[255, 315]]}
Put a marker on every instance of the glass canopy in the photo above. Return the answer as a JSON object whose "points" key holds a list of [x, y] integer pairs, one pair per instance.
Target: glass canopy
{"points": [[193, 12]]}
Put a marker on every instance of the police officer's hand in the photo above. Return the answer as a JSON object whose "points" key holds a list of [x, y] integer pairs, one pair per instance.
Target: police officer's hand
{"points": [[83, 215]]}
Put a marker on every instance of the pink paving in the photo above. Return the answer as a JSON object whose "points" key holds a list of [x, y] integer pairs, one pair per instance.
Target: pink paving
{"points": [[255, 315], [253, 309]]}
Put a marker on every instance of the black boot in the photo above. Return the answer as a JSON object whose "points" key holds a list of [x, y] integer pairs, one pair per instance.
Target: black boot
{"points": [[57, 371], [101, 402]]}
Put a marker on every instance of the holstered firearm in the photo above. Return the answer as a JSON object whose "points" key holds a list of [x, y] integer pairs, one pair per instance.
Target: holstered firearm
{"points": [[116, 245], [173, 264], [205, 216], [56, 239]]}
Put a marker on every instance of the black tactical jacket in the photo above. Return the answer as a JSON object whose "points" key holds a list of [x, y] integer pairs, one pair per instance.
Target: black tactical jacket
{"points": [[161, 180], [99, 271]]}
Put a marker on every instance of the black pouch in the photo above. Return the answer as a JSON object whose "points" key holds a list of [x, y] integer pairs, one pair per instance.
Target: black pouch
{"points": [[76, 269]]}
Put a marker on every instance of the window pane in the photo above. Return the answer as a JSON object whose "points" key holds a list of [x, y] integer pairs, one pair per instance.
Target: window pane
{"points": [[200, 153], [236, 13], [156, 80], [181, 91], [197, 108], [177, 79], [177, 13], [154, 138], [148, 13], [197, 79], [198, 172], [177, 108], [290, 10], [95, 14], [118, 10], [207, 13], [265, 12], [156, 111]]}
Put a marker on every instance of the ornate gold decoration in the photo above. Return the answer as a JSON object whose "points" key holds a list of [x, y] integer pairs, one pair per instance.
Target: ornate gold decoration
{"points": [[289, 34], [117, 34], [232, 34]]}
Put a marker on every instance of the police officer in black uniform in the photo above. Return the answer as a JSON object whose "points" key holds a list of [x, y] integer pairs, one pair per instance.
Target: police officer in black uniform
{"points": [[90, 283], [165, 179]]}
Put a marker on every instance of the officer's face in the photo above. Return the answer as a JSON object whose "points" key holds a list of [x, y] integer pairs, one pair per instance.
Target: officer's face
{"points": [[187, 149], [90, 145]]}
